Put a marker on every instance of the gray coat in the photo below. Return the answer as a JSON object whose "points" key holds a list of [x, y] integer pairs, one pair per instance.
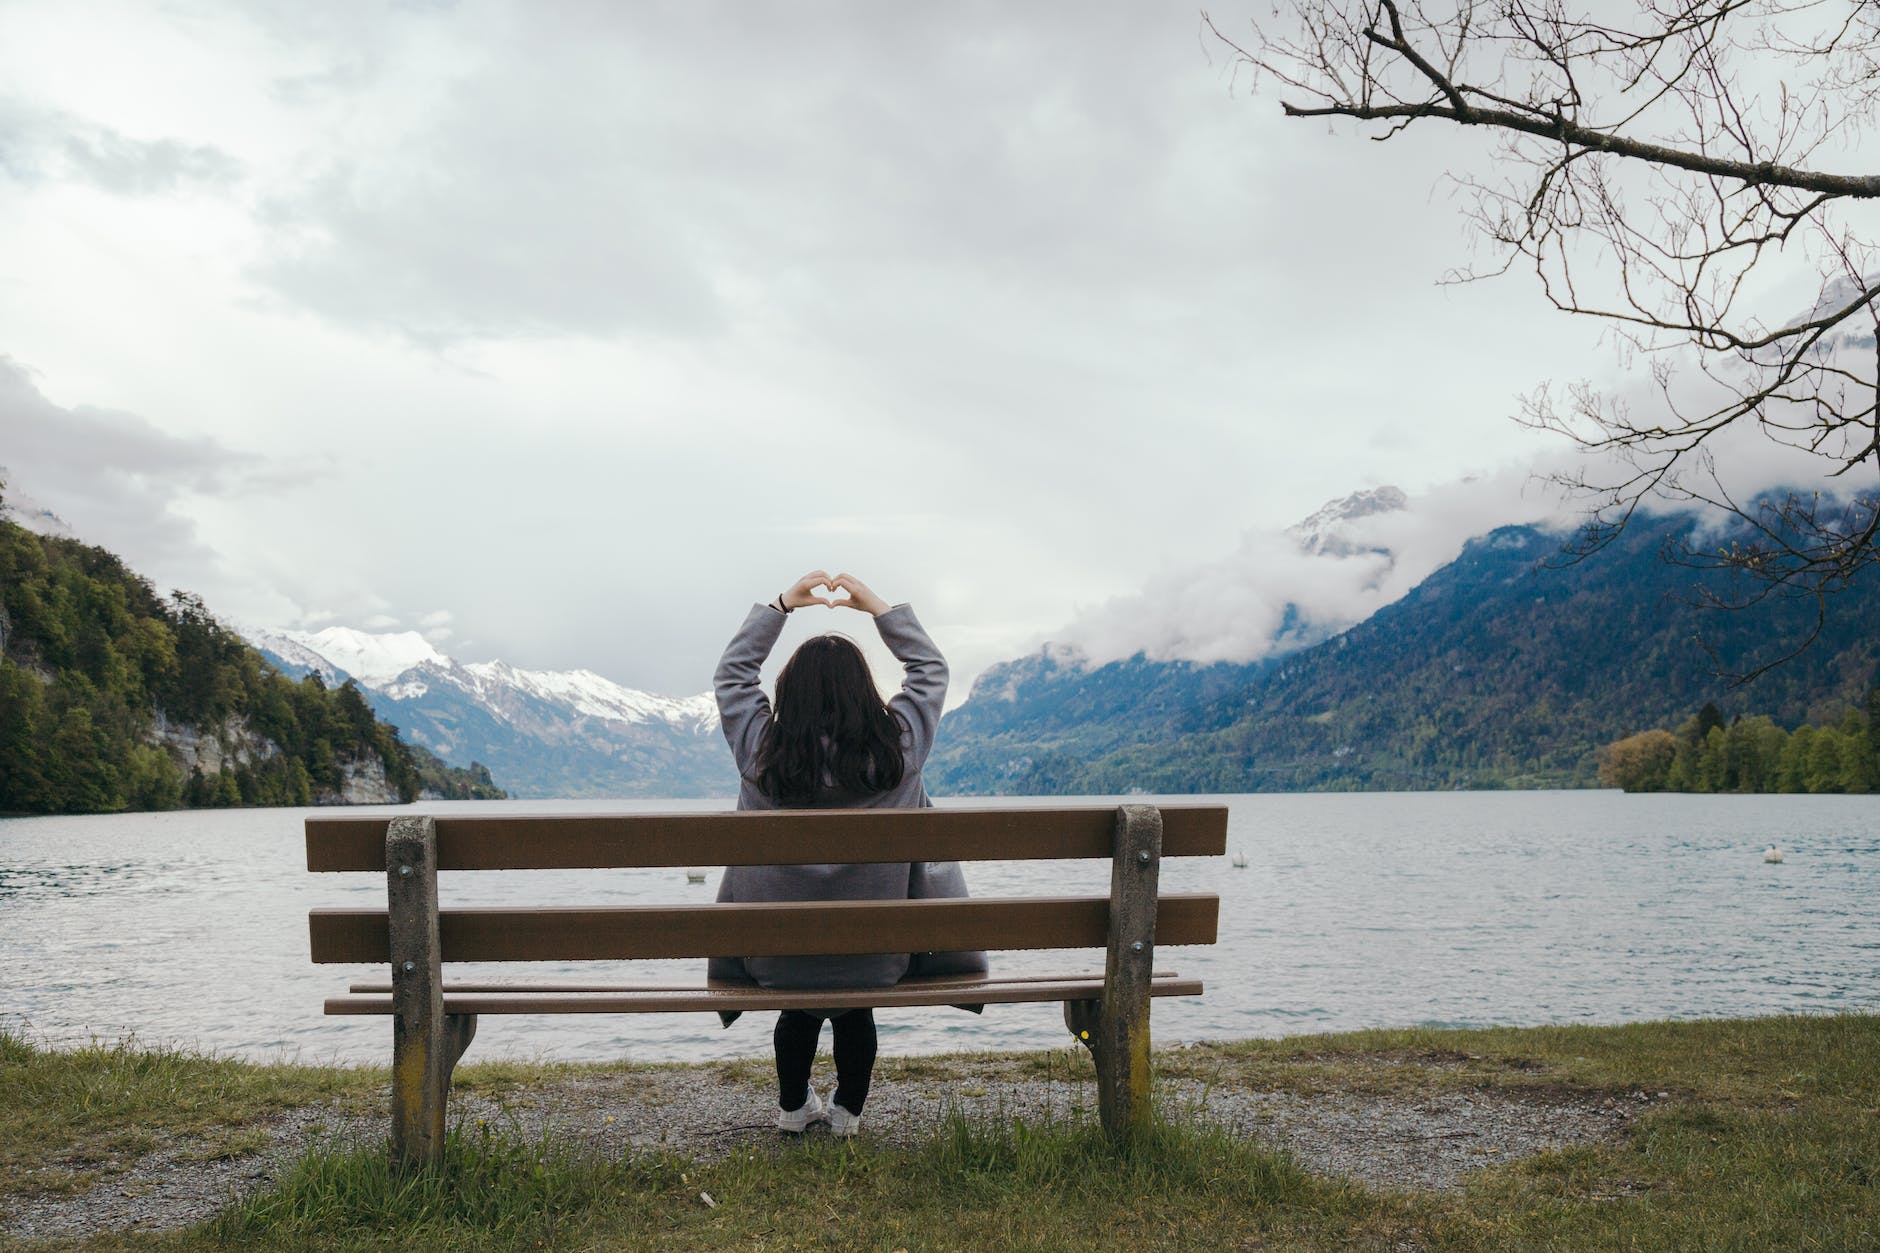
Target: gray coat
{"points": [[745, 714]]}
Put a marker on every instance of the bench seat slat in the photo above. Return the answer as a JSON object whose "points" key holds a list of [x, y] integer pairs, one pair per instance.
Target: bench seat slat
{"points": [[752, 930], [681, 1000], [511, 985], [760, 838]]}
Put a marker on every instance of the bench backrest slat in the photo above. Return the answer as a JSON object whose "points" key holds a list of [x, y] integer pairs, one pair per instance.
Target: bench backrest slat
{"points": [[740, 930], [761, 838]]}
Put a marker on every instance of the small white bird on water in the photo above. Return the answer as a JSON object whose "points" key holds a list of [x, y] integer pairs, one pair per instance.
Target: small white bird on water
{"points": [[1772, 853]]}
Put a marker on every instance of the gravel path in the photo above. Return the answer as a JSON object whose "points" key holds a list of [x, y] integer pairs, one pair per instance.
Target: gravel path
{"points": [[1428, 1140]]}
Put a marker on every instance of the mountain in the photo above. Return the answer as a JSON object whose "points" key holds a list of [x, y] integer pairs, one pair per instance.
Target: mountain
{"points": [[1057, 692], [113, 698], [1326, 531], [575, 733], [1501, 668], [544, 733], [1276, 592]]}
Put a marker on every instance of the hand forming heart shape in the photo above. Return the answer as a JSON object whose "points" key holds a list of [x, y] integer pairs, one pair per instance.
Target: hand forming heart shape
{"points": [[818, 587]]}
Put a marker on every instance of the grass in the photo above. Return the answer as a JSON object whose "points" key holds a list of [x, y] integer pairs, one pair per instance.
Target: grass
{"points": [[972, 1184], [69, 1118], [494, 1190], [1732, 1060], [1768, 1137]]}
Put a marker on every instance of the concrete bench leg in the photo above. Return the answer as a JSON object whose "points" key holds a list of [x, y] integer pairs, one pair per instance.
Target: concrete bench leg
{"points": [[1116, 1028], [426, 1042]]}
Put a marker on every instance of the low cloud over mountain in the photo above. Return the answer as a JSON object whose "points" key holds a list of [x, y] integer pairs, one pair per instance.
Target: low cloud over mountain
{"points": [[1282, 590]]}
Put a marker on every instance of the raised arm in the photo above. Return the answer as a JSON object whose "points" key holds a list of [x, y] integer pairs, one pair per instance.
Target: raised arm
{"points": [[743, 709], [924, 681]]}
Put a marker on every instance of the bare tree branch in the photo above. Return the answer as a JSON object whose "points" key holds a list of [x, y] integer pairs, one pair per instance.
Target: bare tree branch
{"points": [[1562, 131], [1653, 171]]}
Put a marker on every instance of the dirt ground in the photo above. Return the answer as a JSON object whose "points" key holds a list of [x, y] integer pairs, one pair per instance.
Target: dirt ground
{"points": [[1425, 1139]]}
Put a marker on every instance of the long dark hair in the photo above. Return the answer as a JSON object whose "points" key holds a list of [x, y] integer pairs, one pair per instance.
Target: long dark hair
{"points": [[830, 738]]}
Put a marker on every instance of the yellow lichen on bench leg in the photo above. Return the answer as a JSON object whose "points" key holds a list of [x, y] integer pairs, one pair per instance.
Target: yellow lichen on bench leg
{"points": [[412, 1128], [425, 1043], [1120, 1045]]}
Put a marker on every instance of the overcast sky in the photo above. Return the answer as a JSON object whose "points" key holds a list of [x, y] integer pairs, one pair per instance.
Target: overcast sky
{"points": [[565, 331]]}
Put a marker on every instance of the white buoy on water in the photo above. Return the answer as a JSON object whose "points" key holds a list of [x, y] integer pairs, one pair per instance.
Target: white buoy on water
{"points": [[1772, 854], [1240, 861]]}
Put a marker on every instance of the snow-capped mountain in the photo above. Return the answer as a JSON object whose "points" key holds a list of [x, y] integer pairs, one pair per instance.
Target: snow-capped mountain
{"points": [[595, 697], [1328, 531], [541, 732], [374, 659]]}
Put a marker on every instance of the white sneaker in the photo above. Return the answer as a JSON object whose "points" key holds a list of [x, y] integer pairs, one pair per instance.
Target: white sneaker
{"points": [[841, 1122], [796, 1121]]}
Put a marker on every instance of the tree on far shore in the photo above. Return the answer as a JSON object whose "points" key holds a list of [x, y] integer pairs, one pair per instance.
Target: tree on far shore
{"points": [[1751, 754]]}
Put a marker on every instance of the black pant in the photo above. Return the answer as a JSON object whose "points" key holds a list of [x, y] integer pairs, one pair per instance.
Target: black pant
{"points": [[795, 1038]]}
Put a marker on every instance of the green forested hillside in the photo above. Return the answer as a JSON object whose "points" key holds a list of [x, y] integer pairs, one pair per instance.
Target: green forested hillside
{"points": [[112, 697], [1501, 669]]}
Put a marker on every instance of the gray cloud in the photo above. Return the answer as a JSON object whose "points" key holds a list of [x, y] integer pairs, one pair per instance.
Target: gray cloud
{"points": [[863, 178], [38, 144], [1004, 308], [121, 482], [129, 167]]}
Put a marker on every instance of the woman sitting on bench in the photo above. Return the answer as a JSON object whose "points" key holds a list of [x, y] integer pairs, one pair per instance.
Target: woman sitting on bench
{"points": [[830, 743]]}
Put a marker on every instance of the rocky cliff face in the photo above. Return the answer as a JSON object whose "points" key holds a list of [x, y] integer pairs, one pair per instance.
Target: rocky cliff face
{"points": [[209, 749], [233, 744], [365, 784]]}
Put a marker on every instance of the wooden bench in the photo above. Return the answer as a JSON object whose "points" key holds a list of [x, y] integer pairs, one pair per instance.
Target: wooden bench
{"points": [[433, 1022]]}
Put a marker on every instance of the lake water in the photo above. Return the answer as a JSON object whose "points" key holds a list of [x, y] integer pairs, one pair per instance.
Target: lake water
{"points": [[1355, 910]]}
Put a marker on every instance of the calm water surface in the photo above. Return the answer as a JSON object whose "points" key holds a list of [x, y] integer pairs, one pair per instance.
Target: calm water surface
{"points": [[1355, 910]]}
